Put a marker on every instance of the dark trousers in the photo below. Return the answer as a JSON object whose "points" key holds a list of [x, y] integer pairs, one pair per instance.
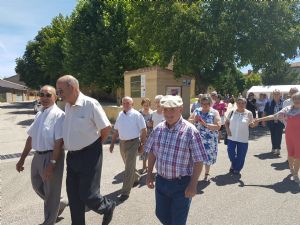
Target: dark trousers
{"points": [[83, 182], [276, 130], [172, 207], [237, 152]]}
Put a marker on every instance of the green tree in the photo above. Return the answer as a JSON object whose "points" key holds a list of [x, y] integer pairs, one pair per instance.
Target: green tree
{"points": [[279, 74], [253, 79], [97, 47], [203, 38], [42, 62]]}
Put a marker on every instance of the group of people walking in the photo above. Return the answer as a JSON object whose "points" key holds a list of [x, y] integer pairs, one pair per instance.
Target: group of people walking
{"points": [[178, 148]]}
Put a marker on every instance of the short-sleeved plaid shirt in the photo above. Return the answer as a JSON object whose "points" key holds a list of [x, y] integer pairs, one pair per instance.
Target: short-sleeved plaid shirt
{"points": [[176, 149]]}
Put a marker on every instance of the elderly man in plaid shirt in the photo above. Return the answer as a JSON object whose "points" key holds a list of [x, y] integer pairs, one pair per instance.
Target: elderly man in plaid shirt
{"points": [[175, 146]]}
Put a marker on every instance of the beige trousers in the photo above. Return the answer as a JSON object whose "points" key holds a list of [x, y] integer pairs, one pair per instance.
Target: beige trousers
{"points": [[129, 151], [49, 190]]}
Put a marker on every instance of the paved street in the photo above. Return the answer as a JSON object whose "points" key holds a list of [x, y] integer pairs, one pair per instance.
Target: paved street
{"points": [[263, 195]]}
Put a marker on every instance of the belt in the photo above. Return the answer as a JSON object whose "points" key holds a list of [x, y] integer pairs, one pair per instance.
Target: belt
{"points": [[43, 152], [89, 147], [131, 140], [173, 179]]}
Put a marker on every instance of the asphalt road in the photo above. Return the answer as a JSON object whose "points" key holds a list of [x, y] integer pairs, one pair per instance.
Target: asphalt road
{"points": [[263, 195]]}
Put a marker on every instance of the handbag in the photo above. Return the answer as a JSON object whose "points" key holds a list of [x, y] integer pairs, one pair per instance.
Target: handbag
{"points": [[226, 135]]}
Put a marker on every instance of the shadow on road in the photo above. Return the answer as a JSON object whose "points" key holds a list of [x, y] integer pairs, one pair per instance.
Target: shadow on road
{"points": [[228, 179], [27, 111], [25, 122], [280, 166], [257, 132], [118, 178], [267, 155], [18, 105], [284, 186], [201, 186]]}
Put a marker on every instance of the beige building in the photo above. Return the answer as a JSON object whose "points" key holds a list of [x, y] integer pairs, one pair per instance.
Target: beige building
{"points": [[12, 92], [151, 81]]}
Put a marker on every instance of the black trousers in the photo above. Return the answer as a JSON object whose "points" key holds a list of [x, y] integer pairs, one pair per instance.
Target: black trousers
{"points": [[83, 182], [276, 130]]}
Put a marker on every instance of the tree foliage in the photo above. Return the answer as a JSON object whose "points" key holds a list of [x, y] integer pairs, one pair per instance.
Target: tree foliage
{"points": [[203, 37], [206, 39], [98, 49], [42, 62]]}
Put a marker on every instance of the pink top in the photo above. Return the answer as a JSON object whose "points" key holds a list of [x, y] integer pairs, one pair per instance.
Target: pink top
{"points": [[221, 107]]}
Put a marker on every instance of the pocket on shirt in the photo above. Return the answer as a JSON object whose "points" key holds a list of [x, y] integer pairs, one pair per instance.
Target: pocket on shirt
{"points": [[82, 125], [48, 132]]}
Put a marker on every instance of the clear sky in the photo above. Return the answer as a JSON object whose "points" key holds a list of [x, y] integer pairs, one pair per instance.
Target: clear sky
{"points": [[20, 20]]}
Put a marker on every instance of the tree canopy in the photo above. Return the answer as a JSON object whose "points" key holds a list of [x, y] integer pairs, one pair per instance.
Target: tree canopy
{"points": [[205, 39]]}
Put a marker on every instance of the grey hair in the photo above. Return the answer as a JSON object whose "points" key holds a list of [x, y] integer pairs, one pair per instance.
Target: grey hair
{"points": [[293, 90], [158, 97], [128, 98], [206, 97], [70, 80], [241, 99], [276, 91], [296, 96]]}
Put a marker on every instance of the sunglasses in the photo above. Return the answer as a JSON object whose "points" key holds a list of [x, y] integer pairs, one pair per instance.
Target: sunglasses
{"points": [[59, 91], [48, 95]]}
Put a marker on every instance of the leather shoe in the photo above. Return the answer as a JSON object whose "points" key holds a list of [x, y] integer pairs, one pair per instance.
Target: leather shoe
{"points": [[109, 215], [123, 198], [136, 183]]}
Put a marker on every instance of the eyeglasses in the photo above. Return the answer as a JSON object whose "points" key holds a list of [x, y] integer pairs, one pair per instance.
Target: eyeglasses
{"points": [[59, 92], [47, 95]]}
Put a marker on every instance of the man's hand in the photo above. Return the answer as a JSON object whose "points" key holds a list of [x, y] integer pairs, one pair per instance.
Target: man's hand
{"points": [[150, 181], [48, 172], [19, 165], [190, 191], [111, 148]]}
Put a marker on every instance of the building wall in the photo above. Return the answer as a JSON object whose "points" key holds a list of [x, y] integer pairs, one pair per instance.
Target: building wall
{"points": [[157, 81], [151, 84]]}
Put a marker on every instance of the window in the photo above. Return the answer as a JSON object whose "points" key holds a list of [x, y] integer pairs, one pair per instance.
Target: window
{"points": [[135, 84]]}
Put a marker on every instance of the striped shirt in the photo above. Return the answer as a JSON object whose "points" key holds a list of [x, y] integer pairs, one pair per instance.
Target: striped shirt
{"points": [[176, 149]]}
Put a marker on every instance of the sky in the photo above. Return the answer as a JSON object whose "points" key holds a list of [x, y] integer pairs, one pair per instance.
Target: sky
{"points": [[20, 21]]}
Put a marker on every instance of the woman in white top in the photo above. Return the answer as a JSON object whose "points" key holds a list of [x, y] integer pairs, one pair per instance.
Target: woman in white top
{"points": [[237, 127], [157, 115]]}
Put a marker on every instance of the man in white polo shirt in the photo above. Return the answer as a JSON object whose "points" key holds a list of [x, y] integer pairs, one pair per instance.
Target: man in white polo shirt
{"points": [[130, 127], [45, 137], [85, 128]]}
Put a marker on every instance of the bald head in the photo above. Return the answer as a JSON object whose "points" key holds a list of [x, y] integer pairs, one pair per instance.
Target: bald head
{"points": [[47, 96], [70, 80], [67, 88]]}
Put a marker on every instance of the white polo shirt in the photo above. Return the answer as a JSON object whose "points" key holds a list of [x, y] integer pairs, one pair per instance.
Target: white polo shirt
{"points": [[129, 125], [46, 128], [83, 122]]}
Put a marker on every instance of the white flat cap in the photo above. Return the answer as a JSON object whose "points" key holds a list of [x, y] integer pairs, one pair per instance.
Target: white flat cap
{"points": [[170, 101]]}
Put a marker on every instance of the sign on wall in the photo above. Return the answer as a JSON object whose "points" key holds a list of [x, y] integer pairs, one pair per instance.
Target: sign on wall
{"points": [[143, 86]]}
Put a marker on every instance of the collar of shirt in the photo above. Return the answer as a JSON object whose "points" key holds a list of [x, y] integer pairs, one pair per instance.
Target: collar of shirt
{"points": [[80, 99], [128, 112], [175, 127], [48, 109]]}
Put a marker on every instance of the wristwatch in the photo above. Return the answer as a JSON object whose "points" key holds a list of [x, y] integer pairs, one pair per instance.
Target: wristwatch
{"points": [[52, 161]]}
